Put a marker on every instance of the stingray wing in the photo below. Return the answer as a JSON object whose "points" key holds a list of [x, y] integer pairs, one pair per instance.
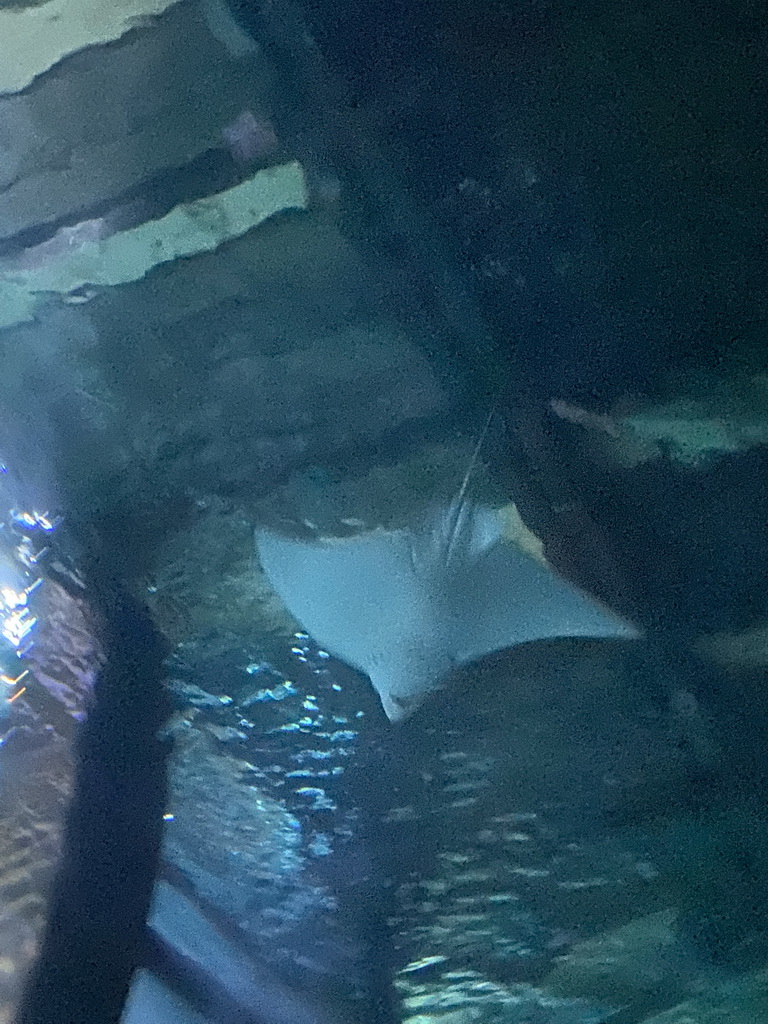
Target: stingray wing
{"points": [[356, 596], [505, 598], [403, 606]]}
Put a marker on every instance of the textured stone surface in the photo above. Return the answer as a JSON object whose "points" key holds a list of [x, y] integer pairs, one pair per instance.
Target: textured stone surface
{"points": [[33, 39], [639, 959], [291, 277], [226, 369], [190, 228], [206, 578], [108, 119], [720, 417], [742, 1001]]}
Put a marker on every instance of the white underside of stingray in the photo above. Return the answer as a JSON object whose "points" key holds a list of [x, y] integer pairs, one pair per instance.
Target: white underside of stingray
{"points": [[406, 606]]}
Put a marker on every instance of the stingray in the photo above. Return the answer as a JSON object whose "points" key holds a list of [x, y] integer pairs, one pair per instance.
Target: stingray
{"points": [[407, 606]]}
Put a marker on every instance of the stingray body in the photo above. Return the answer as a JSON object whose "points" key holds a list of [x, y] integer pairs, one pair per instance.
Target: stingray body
{"points": [[408, 606]]}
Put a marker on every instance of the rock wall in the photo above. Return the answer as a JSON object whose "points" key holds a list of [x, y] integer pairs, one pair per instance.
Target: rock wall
{"points": [[222, 329]]}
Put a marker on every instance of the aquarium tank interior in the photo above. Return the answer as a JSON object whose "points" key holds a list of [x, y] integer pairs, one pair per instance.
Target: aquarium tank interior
{"points": [[383, 512]]}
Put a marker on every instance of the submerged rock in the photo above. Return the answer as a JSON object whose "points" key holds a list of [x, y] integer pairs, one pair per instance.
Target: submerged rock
{"points": [[541, 803]]}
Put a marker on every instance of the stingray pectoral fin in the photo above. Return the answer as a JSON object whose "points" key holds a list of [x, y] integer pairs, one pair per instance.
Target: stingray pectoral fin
{"points": [[312, 579], [358, 597], [509, 598]]}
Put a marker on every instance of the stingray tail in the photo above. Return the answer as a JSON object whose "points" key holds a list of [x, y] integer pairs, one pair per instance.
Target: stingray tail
{"points": [[458, 509]]}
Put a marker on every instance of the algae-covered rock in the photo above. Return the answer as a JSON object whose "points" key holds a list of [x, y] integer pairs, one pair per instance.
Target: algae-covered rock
{"points": [[189, 229], [721, 417], [34, 36], [206, 579], [742, 1001], [640, 960], [747, 649], [132, 124]]}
